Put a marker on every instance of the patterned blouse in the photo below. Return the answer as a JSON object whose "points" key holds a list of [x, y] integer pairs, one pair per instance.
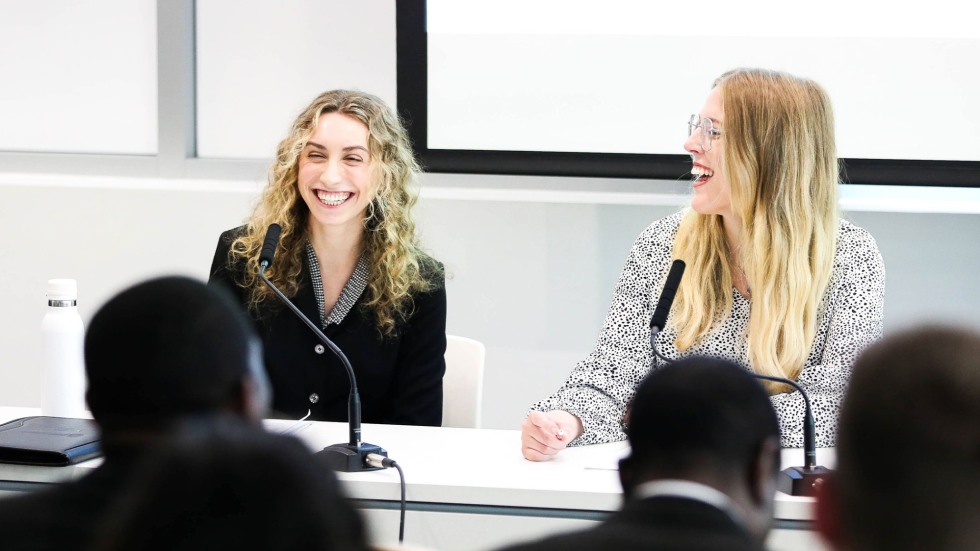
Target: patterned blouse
{"points": [[850, 317]]}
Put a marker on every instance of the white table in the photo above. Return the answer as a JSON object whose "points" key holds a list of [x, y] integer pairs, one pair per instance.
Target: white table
{"points": [[470, 489]]}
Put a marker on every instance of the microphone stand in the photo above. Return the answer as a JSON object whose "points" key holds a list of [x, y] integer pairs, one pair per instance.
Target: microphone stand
{"points": [[352, 456], [795, 481], [805, 480]]}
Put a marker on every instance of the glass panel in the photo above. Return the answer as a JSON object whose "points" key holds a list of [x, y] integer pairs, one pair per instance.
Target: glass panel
{"points": [[251, 83], [79, 77]]}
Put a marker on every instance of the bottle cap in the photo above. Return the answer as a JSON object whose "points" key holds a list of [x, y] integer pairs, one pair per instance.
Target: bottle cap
{"points": [[62, 289]]}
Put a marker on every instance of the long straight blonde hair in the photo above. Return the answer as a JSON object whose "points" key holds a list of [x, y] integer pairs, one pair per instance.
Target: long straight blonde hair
{"points": [[781, 162]]}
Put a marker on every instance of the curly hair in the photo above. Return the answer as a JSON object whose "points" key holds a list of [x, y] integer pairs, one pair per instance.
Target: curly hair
{"points": [[398, 266], [782, 166]]}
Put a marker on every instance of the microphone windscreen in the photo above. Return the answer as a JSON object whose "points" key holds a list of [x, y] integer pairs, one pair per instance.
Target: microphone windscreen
{"points": [[659, 318], [270, 244]]}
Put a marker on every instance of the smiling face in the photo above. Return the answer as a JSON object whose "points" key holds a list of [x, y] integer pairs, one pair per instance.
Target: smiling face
{"points": [[712, 192], [335, 173]]}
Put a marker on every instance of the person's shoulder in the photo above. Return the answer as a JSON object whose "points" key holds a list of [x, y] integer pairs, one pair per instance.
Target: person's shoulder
{"points": [[36, 520], [659, 235], [225, 241], [229, 236], [25, 505], [666, 226], [229, 431], [570, 541], [851, 231], [853, 240], [857, 258], [432, 270]]}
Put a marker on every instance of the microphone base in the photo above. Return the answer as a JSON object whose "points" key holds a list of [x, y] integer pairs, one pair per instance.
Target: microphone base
{"points": [[350, 458], [802, 481]]}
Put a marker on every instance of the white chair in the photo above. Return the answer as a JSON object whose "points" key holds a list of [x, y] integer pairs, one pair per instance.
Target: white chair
{"points": [[462, 387]]}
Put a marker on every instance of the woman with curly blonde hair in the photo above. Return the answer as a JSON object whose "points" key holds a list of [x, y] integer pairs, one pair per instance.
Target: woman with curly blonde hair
{"points": [[775, 279], [342, 189]]}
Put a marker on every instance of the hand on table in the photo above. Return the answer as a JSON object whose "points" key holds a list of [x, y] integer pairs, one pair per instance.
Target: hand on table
{"points": [[545, 434]]}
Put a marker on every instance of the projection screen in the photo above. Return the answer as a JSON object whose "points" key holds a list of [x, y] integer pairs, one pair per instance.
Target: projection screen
{"points": [[588, 88]]}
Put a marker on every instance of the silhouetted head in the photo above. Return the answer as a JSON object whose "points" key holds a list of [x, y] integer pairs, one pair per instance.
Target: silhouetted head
{"points": [[169, 348], [709, 421], [908, 450], [225, 485]]}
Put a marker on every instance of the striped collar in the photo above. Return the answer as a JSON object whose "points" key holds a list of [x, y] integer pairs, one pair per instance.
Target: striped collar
{"points": [[352, 290]]}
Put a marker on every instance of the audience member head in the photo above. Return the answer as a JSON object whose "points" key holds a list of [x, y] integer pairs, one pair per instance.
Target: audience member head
{"points": [[166, 349], [227, 485], [908, 449], [709, 421]]}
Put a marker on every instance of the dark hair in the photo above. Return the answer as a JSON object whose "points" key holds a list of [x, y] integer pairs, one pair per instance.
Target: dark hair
{"points": [[166, 348], [699, 412], [229, 485], [908, 455]]}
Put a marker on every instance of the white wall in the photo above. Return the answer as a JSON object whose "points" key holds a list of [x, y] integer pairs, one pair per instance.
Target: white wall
{"points": [[529, 276], [532, 272]]}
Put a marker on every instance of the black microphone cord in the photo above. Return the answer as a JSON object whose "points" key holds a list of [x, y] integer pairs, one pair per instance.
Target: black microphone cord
{"points": [[809, 436], [810, 475], [654, 331], [809, 426], [401, 522], [382, 462], [342, 457]]}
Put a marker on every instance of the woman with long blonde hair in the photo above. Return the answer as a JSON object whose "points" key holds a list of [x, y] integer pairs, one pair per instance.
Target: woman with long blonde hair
{"points": [[342, 188], [775, 280]]}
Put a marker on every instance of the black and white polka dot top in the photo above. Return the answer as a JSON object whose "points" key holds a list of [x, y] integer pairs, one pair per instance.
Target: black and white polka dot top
{"points": [[850, 317]]}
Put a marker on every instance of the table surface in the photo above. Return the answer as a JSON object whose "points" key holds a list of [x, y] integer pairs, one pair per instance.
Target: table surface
{"points": [[465, 467]]}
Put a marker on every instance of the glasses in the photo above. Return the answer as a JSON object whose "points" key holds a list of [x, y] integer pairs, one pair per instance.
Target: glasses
{"points": [[708, 131]]}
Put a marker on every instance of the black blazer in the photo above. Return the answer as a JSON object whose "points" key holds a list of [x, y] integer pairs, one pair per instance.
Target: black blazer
{"points": [[76, 514], [659, 523], [67, 515], [399, 377]]}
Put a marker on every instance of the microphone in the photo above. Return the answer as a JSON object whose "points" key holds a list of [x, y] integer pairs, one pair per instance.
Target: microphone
{"points": [[805, 480], [269, 247], [352, 456], [795, 481], [660, 313]]}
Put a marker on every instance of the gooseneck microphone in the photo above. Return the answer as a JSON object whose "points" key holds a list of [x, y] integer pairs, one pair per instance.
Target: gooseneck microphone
{"points": [[660, 313], [796, 481], [805, 480], [352, 456]]}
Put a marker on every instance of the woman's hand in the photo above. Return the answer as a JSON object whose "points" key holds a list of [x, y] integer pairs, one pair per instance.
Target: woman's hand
{"points": [[545, 434]]}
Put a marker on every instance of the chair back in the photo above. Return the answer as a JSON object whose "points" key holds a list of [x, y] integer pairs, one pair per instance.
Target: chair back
{"points": [[462, 386]]}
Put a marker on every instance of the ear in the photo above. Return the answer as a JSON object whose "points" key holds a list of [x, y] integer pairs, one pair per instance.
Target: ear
{"points": [[255, 390], [762, 479], [626, 477], [244, 400], [827, 511], [252, 403]]}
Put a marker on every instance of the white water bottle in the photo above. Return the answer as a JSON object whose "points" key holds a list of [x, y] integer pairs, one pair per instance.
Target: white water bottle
{"points": [[62, 355]]}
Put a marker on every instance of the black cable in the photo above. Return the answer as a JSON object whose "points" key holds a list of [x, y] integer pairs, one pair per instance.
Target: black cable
{"points": [[401, 524], [654, 331], [380, 461]]}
